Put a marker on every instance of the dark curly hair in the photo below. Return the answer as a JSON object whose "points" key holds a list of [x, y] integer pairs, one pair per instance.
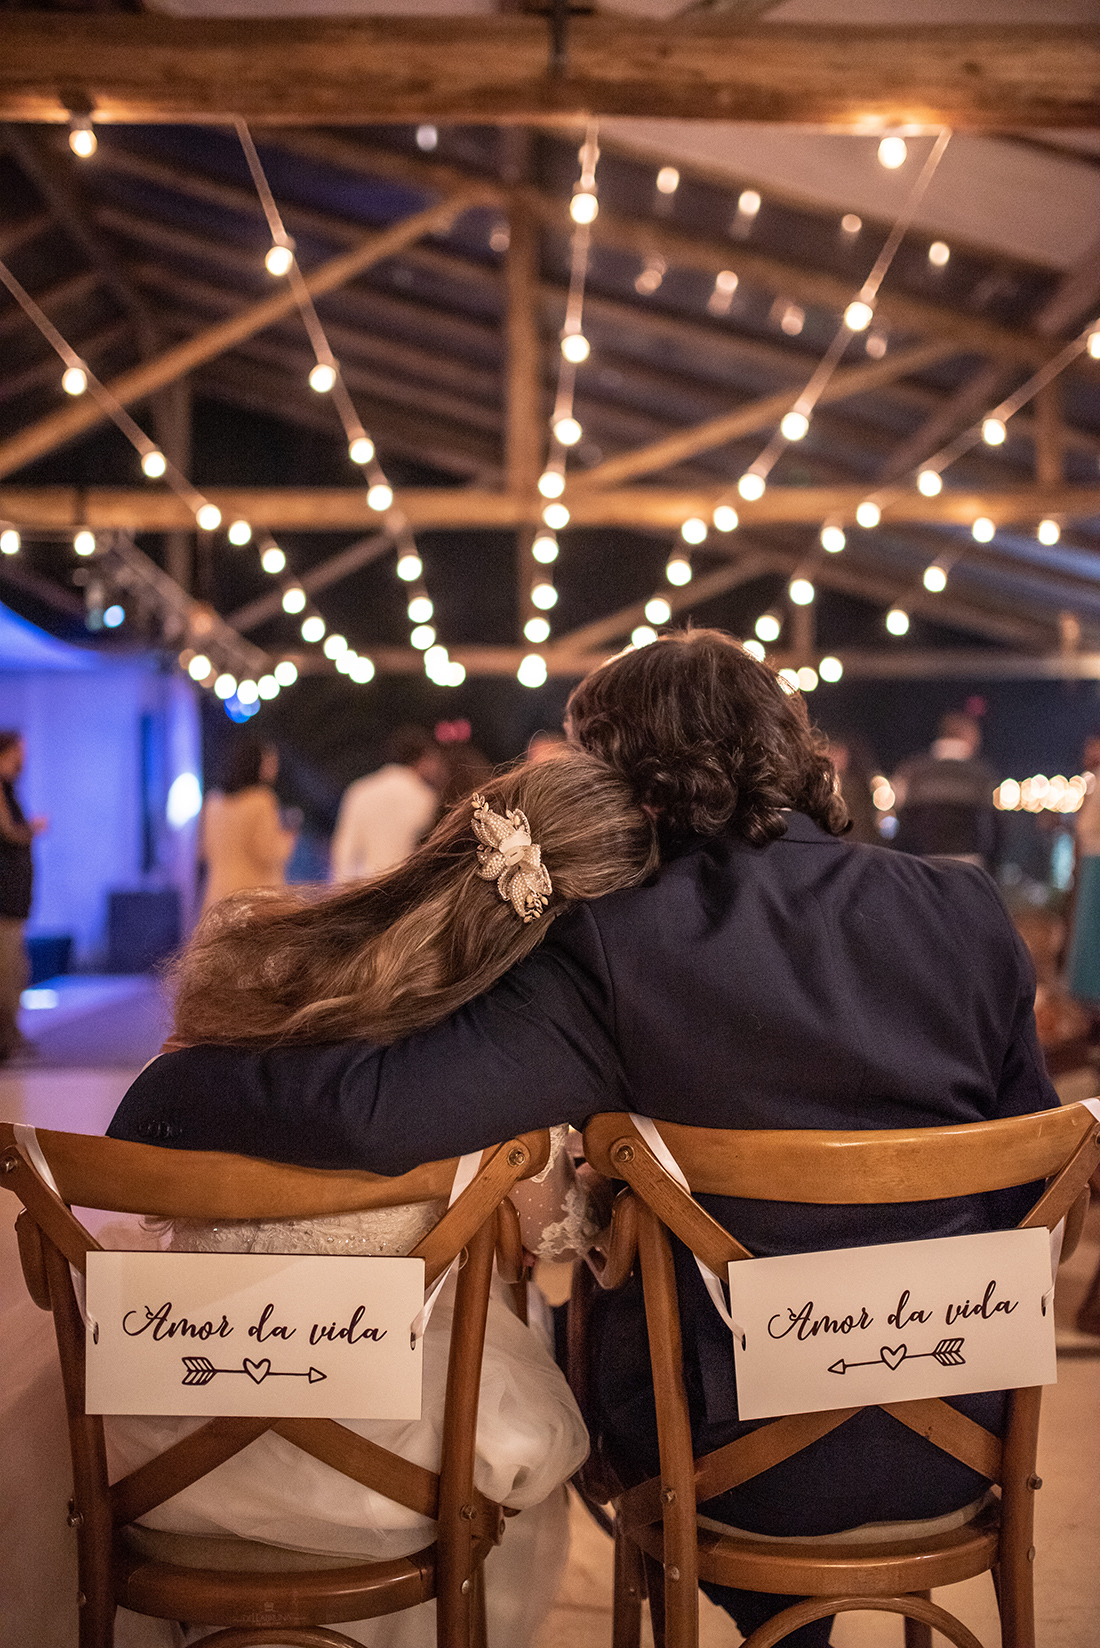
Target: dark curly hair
{"points": [[707, 738]]}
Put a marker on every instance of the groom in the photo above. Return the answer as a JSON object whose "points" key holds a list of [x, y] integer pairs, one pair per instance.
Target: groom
{"points": [[770, 975]]}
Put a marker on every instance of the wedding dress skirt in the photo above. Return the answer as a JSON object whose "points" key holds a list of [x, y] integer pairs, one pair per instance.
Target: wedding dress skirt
{"points": [[530, 1440]]}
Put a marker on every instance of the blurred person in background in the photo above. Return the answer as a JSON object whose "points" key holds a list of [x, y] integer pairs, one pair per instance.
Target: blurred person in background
{"points": [[945, 798], [545, 745], [386, 815], [855, 779], [16, 877], [244, 842], [1083, 962]]}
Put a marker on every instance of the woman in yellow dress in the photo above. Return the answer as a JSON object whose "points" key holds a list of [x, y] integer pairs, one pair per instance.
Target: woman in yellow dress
{"points": [[243, 839]]}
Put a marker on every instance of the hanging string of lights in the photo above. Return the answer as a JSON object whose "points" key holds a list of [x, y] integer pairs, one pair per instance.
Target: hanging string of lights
{"points": [[325, 378]]}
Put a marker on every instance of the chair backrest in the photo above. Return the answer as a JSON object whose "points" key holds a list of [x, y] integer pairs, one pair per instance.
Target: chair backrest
{"points": [[115, 1176], [1061, 1147]]}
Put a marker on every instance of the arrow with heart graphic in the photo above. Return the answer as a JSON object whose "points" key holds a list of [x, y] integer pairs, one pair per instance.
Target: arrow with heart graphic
{"points": [[947, 1353], [200, 1371]]}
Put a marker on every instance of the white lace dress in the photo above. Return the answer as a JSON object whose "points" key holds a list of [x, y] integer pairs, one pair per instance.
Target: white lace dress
{"points": [[530, 1435]]}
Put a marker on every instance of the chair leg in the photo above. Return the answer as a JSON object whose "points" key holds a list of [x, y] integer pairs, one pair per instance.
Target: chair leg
{"points": [[655, 1586], [917, 1634], [479, 1630], [626, 1619]]}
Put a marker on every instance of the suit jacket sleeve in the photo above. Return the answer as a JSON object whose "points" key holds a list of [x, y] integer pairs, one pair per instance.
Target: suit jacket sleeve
{"points": [[537, 1050]]}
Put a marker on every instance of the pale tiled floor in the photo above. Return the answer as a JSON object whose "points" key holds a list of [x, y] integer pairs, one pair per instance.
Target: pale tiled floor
{"points": [[1068, 1512]]}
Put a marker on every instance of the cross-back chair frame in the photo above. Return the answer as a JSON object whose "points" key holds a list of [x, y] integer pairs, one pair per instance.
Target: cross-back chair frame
{"points": [[254, 1607], [656, 1520]]}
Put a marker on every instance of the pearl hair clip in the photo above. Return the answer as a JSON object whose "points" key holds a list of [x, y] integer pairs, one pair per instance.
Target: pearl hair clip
{"points": [[511, 859]]}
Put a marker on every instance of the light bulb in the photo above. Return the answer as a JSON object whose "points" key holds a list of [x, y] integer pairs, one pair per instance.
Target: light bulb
{"points": [[420, 609], [551, 483], [751, 487], [575, 347], [1094, 343], [322, 378], [334, 646], [409, 567], [935, 579], [668, 180], [82, 139], [555, 516], [273, 560], [313, 627], [755, 650], [858, 316], [725, 518], [875, 345], [678, 570], [199, 667], [114, 615], [983, 529], [767, 627], [643, 636], [658, 610], [892, 153], [286, 673], [807, 679], [789, 679], [568, 431], [247, 692], [794, 426], [422, 637], [279, 260], [748, 203], [868, 514], [544, 596], [362, 670], [801, 591], [897, 621], [361, 450], [379, 496], [545, 549], [435, 663], [1049, 532], [84, 543], [993, 432], [532, 671], [208, 517], [830, 669], [239, 533], [294, 599], [426, 138], [10, 542], [833, 539], [694, 530], [268, 687], [930, 483], [154, 464], [344, 662], [74, 380], [851, 224], [726, 282], [584, 207], [938, 253], [537, 630], [226, 685]]}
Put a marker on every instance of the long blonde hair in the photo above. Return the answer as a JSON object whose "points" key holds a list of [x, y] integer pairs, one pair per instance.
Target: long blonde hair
{"points": [[379, 960]]}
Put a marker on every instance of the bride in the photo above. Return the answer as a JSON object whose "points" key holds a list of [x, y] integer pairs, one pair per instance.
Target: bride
{"points": [[376, 962]]}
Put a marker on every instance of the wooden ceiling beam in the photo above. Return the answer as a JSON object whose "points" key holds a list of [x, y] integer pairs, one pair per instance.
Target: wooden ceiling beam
{"points": [[327, 572], [322, 509], [67, 422], [333, 71]]}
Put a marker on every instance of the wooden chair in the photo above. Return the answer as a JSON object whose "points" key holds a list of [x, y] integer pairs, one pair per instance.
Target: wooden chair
{"points": [[655, 1521], [266, 1603]]}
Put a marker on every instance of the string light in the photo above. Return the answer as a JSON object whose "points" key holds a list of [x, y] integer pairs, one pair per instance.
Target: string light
{"points": [[830, 669], [544, 596], [939, 253], [273, 560], [420, 609], [335, 646], [278, 260], [199, 667], [930, 483], [239, 533], [422, 637], [767, 627], [154, 464], [584, 207], [567, 431], [851, 224], [532, 670], [751, 487], [658, 610], [362, 671], [789, 679], [868, 514], [555, 516], [82, 138], [536, 630], [247, 691], [653, 273], [225, 685], [668, 180], [114, 615], [721, 299], [84, 542], [993, 431], [754, 650], [361, 450], [1048, 532], [807, 679], [267, 687], [792, 320], [748, 203], [801, 591], [935, 578], [285, 672], [74, 380], [875, 345], [409, 567], [209, 517], [322, 378], [892, 153], [426, 138], [10, 541], [575, 347], [694, 530], [294, 599], [551, 483], [794, 426], [643, 636], [983, 529], [545, 549], [678, 570], [858, 316], [313, 627], [380, 496], [1042, 794], [833, 539], [725, 518], [1094, 343], [897, 621]]}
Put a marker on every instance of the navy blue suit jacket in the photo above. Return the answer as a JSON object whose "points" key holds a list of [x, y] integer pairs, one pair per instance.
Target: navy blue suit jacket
{"points": [[810, 983]]}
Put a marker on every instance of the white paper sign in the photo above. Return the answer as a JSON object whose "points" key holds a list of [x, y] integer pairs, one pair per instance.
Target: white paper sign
{"points": [[891, 1323], [254, 1334]]}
